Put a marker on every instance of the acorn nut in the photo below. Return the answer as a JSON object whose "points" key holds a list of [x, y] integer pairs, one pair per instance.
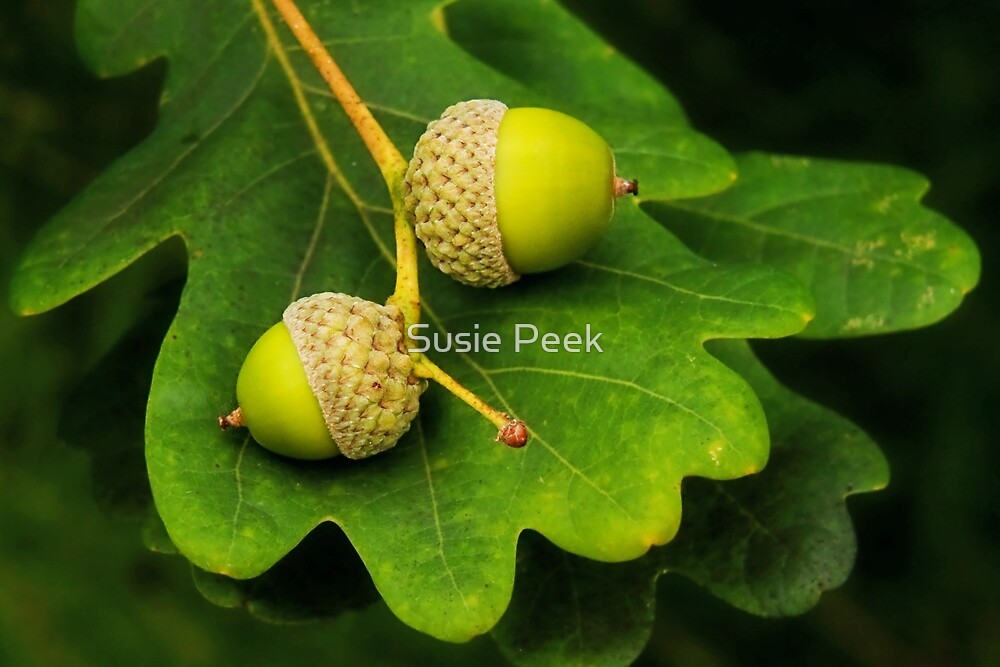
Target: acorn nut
{"points": [[333, 377], [495, 192]]}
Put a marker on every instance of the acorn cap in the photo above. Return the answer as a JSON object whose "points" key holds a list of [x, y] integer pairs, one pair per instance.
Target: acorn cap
{"points": [[355, 358], [449, 192]]}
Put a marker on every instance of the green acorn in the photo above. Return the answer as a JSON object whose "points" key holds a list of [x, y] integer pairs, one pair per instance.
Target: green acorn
{"points": [[495, 192], [333, 377]]}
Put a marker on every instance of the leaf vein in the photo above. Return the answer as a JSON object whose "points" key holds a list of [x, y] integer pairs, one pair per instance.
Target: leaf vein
{"points": [[804, 238], [485, 375], [314, 239], [615, 381], [298, 88], [170, 168], [437, 520], [239, 500], [682, 290]]}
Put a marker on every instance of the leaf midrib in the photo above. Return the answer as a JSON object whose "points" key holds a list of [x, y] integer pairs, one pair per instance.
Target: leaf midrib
{"points": [[181, 157]]}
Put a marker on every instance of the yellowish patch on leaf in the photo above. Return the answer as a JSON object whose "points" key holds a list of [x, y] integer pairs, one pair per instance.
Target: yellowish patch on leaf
{"points": [[863, 251], [661, 537], [914, 244], [927, 298], [866, 323], [715, 451], [789, 161], [885, 203], [438, 20], [920, 241]]}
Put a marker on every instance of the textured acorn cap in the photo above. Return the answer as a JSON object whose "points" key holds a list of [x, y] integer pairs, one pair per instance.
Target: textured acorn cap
{"points": [[355, 359], [449, 193]]}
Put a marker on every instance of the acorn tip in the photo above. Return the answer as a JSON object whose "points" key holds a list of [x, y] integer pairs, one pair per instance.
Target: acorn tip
{"points": [[624, 187], [233, 420]]}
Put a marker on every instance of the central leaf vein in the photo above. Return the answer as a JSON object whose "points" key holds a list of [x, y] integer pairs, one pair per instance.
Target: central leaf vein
{"points": [[683, 290], [172, 166], [485, 375], [813, 241]]}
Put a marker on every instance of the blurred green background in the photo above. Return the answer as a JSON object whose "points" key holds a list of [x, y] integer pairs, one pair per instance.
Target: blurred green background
{"points": [[910, 82]]}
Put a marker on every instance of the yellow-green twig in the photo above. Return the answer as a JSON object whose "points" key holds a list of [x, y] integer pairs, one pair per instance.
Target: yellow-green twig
{"points": [[386, 155], [388, 158], [406, 296], [511, 432]]}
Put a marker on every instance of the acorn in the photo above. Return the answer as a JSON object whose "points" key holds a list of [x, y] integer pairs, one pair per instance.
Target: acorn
{"points": [[494, 192], [333, 377]]}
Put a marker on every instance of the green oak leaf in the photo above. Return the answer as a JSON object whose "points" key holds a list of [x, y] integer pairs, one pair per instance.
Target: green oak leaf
{"points": [[789, 530], [576, 612], [875, 259], [769, 544], [271, 190]]}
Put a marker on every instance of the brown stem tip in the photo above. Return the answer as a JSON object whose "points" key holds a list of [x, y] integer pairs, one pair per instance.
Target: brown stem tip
{"points": [[623, 187], [233, 420], [513, 434]]}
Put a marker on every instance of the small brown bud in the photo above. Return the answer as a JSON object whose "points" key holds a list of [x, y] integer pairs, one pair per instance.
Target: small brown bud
{"points": [[513, 434]]}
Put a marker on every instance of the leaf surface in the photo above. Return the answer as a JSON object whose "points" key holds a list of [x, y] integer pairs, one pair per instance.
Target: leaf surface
{"points": [[769, 544], [875, 259], [262, 177]]}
